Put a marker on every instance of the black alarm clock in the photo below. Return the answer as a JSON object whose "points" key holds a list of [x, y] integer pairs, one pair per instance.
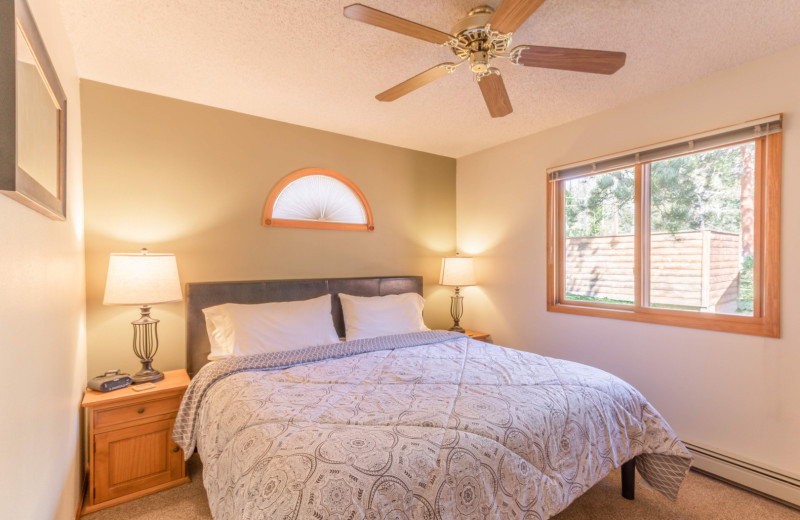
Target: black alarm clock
{"points": [[111, 380]]}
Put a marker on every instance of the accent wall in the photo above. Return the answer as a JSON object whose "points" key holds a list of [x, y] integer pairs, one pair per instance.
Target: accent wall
{"points": [[178, 177]]}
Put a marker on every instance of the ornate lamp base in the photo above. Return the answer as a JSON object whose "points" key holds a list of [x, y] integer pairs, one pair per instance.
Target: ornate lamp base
{"points": [[145, 346], [147, 374], [456, 310]]}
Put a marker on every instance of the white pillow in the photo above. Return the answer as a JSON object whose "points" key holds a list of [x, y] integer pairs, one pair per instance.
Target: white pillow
{"points": [[239, 330], [370, 317]]}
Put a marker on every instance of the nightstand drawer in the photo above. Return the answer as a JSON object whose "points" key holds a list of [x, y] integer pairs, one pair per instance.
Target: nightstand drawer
{"points": [[133, 412]]}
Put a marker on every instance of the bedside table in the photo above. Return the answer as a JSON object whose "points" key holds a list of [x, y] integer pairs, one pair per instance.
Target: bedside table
{"points": [[480, 336], [131, 453]]}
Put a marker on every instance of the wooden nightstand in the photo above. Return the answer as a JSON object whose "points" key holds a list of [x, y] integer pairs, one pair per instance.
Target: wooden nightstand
{"points": [[480, 336], [131, 453]]}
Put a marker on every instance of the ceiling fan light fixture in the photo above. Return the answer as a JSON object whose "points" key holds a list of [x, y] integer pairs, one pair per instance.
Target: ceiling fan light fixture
{"points": [[479, 61]]}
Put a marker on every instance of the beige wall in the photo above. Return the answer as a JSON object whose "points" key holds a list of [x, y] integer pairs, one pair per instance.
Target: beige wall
{"points": [[731, 392], [193, 180], [42, 324]]}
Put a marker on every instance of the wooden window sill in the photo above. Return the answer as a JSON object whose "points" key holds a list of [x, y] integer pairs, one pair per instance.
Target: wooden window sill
{"points": [[754, 326]]}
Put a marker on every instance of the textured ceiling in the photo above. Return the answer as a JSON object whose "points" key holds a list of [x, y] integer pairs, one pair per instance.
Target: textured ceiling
{"points": [[303, 62]]}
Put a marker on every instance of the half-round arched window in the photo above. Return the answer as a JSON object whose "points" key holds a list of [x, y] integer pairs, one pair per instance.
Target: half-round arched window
{"points": [[319, 199]]}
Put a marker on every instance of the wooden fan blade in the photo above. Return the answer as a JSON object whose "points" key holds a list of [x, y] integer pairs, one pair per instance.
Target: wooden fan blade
{"points": [[513, 13], [495, 95], [411, 84], [365, 14], [580, 60]]}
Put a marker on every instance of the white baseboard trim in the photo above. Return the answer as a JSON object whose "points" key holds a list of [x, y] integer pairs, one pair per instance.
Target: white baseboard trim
{"points": [[756, 477]]}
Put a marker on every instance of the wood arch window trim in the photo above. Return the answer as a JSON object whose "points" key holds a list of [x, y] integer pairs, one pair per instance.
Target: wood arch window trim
{"points": [[268, 219]]}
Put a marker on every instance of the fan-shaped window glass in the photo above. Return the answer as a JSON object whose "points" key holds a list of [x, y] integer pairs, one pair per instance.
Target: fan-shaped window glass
{"points": [[318, 198]]}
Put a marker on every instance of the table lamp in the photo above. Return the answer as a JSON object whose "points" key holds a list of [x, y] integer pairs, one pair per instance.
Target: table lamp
{"points": [[143, 279], [457, 271]]}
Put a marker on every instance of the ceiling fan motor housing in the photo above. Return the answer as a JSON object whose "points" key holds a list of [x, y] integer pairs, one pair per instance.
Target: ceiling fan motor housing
{"points": [[474, 44], [476, 19]]}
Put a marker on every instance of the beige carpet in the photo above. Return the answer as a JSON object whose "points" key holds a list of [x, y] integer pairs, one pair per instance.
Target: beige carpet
{"points": [[700, 498]]}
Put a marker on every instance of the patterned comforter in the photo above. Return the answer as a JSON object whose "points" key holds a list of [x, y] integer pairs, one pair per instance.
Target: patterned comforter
{"points": [[418, 426]]}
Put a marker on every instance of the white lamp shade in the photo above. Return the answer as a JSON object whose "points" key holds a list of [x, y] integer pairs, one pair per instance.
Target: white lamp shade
{"points": [[142, 279], [457, 271]]}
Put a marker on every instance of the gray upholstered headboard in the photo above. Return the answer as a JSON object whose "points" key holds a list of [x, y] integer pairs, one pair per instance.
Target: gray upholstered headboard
{"points": [[207, 294]]}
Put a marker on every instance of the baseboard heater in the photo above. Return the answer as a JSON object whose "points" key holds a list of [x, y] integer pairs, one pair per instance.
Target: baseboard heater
{"points": [[755, 477]]}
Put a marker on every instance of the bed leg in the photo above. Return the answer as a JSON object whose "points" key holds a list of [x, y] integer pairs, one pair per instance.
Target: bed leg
{"points": [[629, 479]]}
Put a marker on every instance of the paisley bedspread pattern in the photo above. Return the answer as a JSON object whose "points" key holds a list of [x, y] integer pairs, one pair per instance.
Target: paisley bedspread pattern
{"points": [[419, 426]]}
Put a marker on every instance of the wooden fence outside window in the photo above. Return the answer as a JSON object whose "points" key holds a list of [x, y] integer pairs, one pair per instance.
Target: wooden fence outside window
{"points": [[691, 269]]}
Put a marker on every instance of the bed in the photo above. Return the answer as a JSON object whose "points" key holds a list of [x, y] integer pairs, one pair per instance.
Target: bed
{"points": [[420, 425]]}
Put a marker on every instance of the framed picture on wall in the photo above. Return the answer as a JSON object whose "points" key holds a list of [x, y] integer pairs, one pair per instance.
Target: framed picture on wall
{"points": [[33, 116]]}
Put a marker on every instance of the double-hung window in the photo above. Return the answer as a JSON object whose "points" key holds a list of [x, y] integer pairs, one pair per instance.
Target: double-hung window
{"points": [[682, 233]]}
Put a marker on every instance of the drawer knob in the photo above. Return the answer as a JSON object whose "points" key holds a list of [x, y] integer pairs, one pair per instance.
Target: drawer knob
{"points": [[140, 410], [176, 449]]}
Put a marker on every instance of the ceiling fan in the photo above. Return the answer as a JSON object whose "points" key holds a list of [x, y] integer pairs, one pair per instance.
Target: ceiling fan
{"points": [[479, 37]]}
